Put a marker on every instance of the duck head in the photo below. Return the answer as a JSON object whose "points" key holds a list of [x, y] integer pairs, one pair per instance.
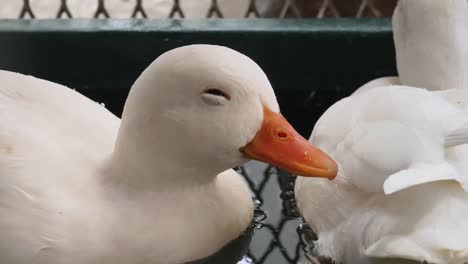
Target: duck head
{"points": [[211, 107]]}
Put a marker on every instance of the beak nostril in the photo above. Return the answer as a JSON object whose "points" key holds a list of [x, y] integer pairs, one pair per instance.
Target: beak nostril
{"points": [[282, 135]]}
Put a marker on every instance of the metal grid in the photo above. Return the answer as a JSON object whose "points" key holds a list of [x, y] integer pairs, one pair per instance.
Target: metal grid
{"points": [[300, 250], [286, 183], [214, 8]]}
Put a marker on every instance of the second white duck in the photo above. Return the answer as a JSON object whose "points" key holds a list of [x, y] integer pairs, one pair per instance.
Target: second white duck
{"points": [[401, 192]]}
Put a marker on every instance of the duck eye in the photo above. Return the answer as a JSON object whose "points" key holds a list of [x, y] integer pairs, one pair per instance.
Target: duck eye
{"points": [[217, 92], [215, 96]]}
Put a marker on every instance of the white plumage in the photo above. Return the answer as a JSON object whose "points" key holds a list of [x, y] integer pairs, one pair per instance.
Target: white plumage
{"points": [[78, 185], [66, 196], [430, 39], [400, 193]]}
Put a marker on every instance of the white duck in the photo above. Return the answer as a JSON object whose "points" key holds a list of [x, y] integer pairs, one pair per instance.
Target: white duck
{"points": [[431, 40], [79, 186], [401, 192]]}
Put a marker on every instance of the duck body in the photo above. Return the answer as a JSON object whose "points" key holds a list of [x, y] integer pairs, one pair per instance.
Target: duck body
{"points": [[430, 40], [79, 185], [402, 184], [430, 43], [400, 193], [376, 228], [56, 204]]}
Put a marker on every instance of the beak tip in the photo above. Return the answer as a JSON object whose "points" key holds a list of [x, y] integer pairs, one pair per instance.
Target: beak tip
{"points": [[333, 171], [332, 176], [330, 171]]}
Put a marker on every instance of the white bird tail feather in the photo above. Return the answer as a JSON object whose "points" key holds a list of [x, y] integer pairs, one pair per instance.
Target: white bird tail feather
{"points": [[419, 174]]}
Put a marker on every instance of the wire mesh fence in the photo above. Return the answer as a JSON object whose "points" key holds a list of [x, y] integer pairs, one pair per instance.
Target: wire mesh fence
{"points": [[289, 237], [277, 249], [27, 9]]}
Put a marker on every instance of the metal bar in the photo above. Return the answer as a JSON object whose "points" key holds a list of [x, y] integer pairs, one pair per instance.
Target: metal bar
{"points": [[139, 9], [26, 10], [63, 10], [139, 26]]}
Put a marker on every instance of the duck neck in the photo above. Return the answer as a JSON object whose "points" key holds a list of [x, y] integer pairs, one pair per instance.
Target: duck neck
{"points": [[431, 47], [138, 172], [147, 158]]}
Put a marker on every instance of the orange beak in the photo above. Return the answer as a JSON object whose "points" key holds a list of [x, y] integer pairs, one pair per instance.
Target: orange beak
{"points": [[278, 144]]}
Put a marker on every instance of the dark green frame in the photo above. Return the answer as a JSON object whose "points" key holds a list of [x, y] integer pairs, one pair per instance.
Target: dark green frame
{"points": [[311, 63]]}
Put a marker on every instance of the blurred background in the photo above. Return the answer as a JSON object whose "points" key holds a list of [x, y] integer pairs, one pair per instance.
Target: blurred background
{"points": [[195, 8]]}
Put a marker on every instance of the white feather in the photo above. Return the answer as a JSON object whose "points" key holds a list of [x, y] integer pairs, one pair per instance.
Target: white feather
{"points": [[430, 44], [400, 189], [457, 137], [422, 168]]}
